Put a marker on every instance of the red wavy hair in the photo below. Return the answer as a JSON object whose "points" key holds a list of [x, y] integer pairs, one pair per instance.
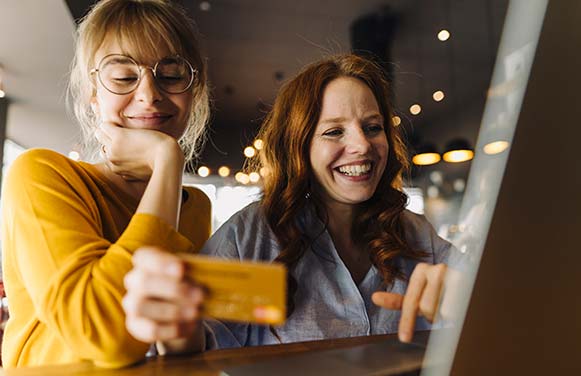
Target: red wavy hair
{"points": [[287, 132]]}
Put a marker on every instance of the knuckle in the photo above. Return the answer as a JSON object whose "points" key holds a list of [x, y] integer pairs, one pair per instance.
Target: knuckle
{"points": [[421, 267], [134, 281], [183, 291], [142, 330], [180, 291], [127, 304], [138, 280], [438, 272], [197, 295], [143, 255], [138, 307], [191, 312], [440, 269], [128, 279], [170, 311]]}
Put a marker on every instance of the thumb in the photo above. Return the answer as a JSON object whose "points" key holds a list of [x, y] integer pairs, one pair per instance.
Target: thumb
{"points": [[387, 300]]}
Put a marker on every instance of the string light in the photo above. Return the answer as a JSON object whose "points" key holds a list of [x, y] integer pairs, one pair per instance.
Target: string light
{"points": [[415, 109], [426, 154], [444, 35], [258, 144], [242, 178], [205, 6], [438, 95], [457, 156], [224, 171], [249, 152], [426, 159], [203, 171], [254, 177]]}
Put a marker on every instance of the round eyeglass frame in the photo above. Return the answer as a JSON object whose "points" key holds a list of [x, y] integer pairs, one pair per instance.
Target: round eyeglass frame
{"points": [[97, 71]]}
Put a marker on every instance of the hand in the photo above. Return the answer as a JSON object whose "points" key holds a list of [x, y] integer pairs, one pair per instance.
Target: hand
{"points": [[421, 298], [135, 153], [161, 304]]}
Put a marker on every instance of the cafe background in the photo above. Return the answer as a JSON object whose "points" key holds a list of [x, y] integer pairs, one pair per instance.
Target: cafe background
{"points": [[439, 54]]}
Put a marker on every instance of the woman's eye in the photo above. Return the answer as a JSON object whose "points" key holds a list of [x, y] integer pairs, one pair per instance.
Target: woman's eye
{"points": [[124, 79], [374, 128], [333, 133], [170, 78]]}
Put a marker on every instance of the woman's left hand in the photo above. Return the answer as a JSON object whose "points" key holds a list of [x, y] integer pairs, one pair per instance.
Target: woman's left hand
{"points": [[421, 298]]}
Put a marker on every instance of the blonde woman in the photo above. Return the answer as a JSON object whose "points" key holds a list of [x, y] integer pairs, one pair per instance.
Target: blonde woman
{"points": [[69, 230]]}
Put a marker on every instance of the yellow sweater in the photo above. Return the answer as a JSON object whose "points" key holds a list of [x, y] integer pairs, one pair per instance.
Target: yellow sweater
{"points": [[67, 239]]}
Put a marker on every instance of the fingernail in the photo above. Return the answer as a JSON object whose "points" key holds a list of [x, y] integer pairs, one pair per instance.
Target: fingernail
{"points": [[404, 337]]}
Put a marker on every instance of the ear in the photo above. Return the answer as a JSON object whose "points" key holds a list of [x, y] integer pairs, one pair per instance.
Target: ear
{"points": [[94, 105]]}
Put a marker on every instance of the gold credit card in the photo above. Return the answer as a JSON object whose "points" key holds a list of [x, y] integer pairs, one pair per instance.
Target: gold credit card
{"points": [[244, 291]]}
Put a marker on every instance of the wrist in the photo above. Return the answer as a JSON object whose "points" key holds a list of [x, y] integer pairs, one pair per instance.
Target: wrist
{"points": [[170, 155]]}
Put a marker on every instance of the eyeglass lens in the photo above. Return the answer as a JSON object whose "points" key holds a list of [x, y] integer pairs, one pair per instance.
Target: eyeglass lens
{"points": [[121, 74]]}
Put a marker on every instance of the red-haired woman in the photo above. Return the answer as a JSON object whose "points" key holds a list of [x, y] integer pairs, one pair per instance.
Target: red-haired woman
{"points": [[333, 212]]}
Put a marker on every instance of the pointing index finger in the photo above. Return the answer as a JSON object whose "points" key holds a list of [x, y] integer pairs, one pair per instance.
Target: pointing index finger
{"points": [[411, 301]]}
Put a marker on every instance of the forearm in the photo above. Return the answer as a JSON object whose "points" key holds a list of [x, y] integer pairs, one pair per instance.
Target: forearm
{"points": [[81, 322], [76, 271], [162, 196], [71, 302]]}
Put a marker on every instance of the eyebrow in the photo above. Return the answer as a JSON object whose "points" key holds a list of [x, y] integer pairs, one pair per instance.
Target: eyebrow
{"points": [[374, 117], [117, 60], [339, 120], [333, 120]]}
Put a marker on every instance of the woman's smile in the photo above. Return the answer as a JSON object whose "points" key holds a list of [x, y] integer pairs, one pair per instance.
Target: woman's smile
{"points": [[152, 120]]}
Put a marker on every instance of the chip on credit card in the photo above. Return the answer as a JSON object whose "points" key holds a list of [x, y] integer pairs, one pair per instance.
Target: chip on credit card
{"points": [[244, 291]]}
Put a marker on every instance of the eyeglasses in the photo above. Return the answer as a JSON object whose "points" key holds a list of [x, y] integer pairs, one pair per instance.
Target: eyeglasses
{"points": [[120, 74]]}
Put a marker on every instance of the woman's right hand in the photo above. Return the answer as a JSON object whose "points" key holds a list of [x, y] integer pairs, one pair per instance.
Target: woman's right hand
{"points": [[161, 304], [135, 153]]}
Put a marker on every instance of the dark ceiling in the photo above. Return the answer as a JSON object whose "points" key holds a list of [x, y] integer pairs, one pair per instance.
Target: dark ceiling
{"points": [[254, 45]]}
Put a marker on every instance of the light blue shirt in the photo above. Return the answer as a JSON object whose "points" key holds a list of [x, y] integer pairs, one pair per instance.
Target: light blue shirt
{"points": [[328, 303]]}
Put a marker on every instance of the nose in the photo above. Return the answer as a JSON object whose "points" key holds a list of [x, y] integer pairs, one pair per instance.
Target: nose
{"points": [[357, 141], [147, 90]]}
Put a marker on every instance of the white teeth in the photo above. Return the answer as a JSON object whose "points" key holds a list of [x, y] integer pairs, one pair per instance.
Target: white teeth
{"points": [[355, 170]]}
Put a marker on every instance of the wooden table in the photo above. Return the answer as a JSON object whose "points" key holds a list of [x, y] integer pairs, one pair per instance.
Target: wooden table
{"points": [[209, 363]]}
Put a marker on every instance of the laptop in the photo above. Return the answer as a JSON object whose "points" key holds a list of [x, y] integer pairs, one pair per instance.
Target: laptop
{"points": [[524, 314], [517, 303]]}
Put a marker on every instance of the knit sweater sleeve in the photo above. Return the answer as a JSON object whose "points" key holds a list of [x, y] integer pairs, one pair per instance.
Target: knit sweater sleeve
{"points": [[53, 238]]}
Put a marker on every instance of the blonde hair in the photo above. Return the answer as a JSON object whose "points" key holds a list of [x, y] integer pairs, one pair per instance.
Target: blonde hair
{"points": [[140, 27]]}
